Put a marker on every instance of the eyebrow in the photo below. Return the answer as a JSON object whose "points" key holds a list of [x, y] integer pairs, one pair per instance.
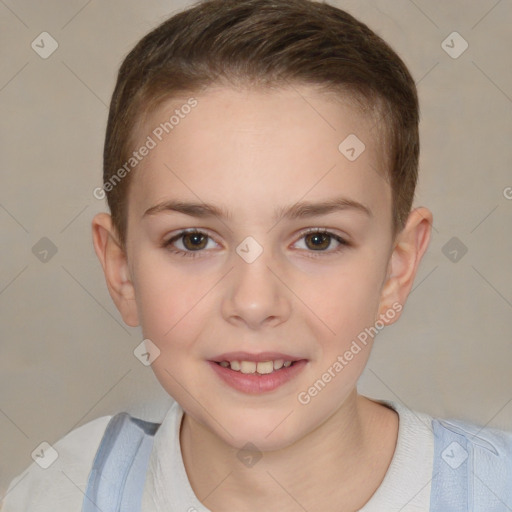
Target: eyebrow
{"points": [[296, 211]]}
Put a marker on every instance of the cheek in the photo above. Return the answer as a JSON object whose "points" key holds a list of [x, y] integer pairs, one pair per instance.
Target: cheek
{"points": [[170, 308], [167, 301], [346, 300]]}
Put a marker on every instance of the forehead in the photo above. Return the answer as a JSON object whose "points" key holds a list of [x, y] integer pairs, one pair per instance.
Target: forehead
{"points": [[256, 147]]}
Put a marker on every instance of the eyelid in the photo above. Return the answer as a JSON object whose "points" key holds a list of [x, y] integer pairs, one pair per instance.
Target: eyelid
{"points": [[331, 231]]}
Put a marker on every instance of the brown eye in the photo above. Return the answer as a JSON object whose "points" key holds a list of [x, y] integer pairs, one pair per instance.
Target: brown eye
{"points": [[319, 241], [188, 243], [197, 241]]}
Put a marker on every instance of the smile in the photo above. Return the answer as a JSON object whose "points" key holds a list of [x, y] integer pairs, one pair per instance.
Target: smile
{"points": [[262, 368], [253, 377]]}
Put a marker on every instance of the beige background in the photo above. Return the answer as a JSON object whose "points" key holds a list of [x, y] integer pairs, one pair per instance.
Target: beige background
{"points": [[66, 356]]}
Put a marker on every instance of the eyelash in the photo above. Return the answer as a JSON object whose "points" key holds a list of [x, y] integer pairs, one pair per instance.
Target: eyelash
{"points": [[315, 254]]}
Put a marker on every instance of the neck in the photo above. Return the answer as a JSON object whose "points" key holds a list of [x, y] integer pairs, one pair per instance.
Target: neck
{"points": [[342, 461]]}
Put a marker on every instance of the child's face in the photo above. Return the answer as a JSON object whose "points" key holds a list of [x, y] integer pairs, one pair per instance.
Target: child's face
{"points": [[253, 154]]}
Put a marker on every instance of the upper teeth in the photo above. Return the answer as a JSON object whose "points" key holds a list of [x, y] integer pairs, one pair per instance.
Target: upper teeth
{"points": [[262, 367]]}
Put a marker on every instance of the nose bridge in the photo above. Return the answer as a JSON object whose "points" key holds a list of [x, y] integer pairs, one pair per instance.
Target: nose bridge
{"points": [[255, 294]]}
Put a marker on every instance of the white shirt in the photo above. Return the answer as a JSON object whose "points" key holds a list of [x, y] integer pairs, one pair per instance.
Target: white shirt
{"points": [[61, 487]]}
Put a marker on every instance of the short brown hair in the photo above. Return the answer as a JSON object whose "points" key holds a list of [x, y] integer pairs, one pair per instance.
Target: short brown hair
{"points": [[265, 43]]}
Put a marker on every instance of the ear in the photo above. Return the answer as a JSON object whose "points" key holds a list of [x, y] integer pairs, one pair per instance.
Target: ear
{"points": [[115, 267], [409, 247]]}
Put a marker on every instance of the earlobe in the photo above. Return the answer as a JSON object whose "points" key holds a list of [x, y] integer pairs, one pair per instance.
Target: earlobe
{"points": [[115, 267], [409, 248]]}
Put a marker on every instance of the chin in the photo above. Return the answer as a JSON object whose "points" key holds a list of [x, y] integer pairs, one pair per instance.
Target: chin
{"points": [[267, 432]]}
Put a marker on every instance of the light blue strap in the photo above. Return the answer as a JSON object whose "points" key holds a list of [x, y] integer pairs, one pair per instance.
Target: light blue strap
{"points": [[116, 480], [472, 468], [452, 463]]}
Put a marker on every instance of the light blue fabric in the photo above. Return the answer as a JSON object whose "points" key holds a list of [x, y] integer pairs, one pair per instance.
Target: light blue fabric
{"points": [[472, 470], [116, 481]]}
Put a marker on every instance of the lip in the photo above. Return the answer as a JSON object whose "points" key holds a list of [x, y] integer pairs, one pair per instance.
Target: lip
{"points": [[257, 358], [254, 383]]}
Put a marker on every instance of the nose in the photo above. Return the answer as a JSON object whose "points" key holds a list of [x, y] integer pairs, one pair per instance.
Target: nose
{"points": [[256, 295]]}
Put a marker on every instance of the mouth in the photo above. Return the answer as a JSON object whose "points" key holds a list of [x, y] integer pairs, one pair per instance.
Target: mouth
{"points": [[257, 373]]}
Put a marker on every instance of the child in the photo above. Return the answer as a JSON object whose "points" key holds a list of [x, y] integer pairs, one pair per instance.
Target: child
{"points": [[260, 165]]}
